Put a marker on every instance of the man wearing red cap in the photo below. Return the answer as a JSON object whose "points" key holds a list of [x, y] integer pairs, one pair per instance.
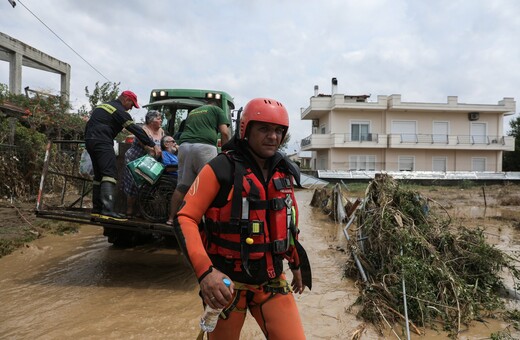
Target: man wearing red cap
{"points": [[106, 121]]}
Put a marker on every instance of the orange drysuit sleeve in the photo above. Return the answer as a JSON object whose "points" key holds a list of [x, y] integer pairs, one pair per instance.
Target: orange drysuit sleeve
{"points": [[197, 200]]}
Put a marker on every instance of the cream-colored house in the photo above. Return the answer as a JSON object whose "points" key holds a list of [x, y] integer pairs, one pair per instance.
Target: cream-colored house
{"points": [[352, 133], [302, 158]]}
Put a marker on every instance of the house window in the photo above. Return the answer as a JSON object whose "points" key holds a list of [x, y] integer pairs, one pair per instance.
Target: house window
{"points": [[439, 164], [406, 163], [322, 129], [359, 131], [406, 130], [478, 133], [362, 162], [478, 164], [440, 132], [322, 163]]}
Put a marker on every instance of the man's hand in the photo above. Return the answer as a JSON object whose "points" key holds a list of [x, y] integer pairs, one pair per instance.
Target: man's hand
{"points": [[297, 283], [214, 291]]}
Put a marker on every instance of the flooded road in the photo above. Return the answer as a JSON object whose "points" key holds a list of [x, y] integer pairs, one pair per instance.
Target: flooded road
{"points": [[79, 287]]}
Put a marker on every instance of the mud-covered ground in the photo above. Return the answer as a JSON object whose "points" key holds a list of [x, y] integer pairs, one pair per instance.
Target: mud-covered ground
{"points": [[77, 286]]}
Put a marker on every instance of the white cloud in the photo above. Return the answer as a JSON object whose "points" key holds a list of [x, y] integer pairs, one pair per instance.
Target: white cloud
{"points": [[425, 51]]}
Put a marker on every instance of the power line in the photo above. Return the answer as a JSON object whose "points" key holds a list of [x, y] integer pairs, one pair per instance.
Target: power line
{"points": [[95, 69]]}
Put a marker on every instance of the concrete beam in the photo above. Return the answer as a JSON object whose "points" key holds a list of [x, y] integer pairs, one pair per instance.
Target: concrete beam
{"points": [[19, 54], [15, 73]]}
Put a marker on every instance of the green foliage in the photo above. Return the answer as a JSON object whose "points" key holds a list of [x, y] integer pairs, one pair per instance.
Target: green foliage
{"points": [[502, 335], [15, 236], [466, 184], [42, 117], [4, 91], [285, 141], [102, 93], [511, 159], [47, 114], [7, 246], [59, 227], [20, 167], [452, 275]]}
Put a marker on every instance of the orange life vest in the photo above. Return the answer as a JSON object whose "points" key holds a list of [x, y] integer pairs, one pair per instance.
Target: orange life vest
{"points": [[256, 228]]}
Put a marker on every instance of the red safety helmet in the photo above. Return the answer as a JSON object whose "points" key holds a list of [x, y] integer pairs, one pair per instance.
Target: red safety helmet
{"points": [[264, 110]]}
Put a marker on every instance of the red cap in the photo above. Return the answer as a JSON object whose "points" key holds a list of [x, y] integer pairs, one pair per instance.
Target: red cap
{"points": [[132, 96]]}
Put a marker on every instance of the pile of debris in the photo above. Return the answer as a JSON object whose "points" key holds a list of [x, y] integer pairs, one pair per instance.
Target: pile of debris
{"points": [[416, 268], [334, 203]]}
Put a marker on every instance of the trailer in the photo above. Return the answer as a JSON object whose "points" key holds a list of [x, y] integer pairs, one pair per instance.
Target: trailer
{"points": [[66, 195]]}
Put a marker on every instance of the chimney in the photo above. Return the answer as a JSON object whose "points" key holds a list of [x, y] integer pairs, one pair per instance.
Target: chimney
{"points": [[334, 85], [316, 89]]}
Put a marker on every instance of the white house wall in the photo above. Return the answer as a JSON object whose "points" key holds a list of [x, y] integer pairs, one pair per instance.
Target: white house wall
{"points": [[465, 145]]}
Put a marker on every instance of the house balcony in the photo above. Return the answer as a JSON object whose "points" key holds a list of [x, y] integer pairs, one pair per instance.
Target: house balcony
{"points": [[343, 140], [316, 142], [457, 142]]}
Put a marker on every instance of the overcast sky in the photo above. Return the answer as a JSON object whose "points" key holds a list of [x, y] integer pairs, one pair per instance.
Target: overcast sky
{"points": [[423, 50]]}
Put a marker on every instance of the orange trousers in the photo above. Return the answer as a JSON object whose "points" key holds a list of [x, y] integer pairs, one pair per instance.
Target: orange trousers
{"points": [[276, 314]]}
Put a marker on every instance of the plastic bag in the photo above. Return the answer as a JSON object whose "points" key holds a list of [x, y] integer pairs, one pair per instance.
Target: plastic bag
{"points": [[85, 165], [145, 168]]}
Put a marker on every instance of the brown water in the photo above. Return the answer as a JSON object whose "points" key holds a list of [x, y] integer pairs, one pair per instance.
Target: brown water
{"points": [[78, 287]]}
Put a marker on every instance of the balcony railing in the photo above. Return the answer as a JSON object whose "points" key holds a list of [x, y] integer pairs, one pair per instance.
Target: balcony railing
{"points": [[306, 141], [445, 139], [339, 140], [481, 140]]}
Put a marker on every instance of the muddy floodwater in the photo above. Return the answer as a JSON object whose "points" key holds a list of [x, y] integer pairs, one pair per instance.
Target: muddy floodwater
{"points": [[79, 287]]}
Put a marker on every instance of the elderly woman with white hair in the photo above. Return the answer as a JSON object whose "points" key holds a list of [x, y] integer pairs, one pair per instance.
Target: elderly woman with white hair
{"points": [[153, 127]]}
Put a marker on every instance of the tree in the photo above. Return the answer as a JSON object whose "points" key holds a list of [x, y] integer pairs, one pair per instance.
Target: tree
{"points": [[511, 159], [106, 92], [285, 141], [38, 118]]}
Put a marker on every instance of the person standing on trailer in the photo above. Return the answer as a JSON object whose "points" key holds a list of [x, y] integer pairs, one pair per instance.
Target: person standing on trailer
{"points": [[104, 124], [197, 146]]}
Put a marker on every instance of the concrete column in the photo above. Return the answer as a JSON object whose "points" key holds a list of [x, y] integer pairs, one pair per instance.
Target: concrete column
{"points": [[65, 84], [15, 73]]}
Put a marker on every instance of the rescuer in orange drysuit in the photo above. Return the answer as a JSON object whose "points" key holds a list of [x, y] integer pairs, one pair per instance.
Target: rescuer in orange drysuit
{"points": [[250, 226]]}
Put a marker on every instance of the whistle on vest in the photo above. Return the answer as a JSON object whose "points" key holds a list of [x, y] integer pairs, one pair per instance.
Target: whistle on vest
{"points": [[249, 228]]}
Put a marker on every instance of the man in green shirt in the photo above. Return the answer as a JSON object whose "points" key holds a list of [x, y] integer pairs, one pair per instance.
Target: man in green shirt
{"points": [[197, 146]]}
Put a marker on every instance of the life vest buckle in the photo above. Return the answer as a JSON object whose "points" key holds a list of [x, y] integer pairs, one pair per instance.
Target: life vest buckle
{"points": [[251, 228], [277, 204], [280, 246], [256, 227]]}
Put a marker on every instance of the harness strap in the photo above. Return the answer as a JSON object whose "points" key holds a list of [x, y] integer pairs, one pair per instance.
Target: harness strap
{"points": [[239, 246], [256, 227], [232, 306], [282, 183], [272, 204], [236, 203], [276, 285]]}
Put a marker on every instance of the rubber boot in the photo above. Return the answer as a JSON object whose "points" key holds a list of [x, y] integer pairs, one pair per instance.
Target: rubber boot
{"points": [[97, 204], [108, 191]]}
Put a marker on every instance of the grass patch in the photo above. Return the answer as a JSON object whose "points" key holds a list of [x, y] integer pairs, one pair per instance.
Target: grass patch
{"points": [[15, 236]]}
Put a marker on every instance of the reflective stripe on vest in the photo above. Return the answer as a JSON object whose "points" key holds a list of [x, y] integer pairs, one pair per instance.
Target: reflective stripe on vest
{"points": [[107, 107]]}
